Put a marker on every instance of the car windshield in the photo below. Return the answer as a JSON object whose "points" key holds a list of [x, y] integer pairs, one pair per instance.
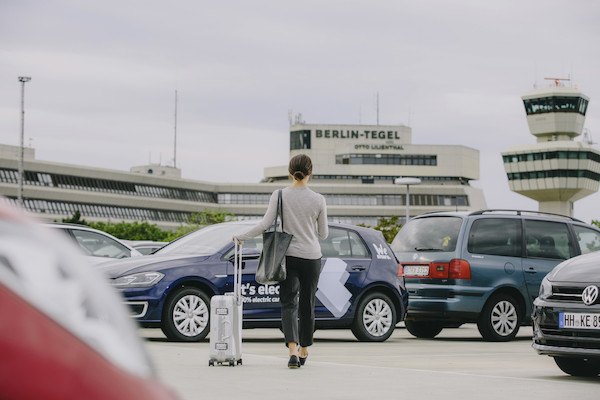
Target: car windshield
{"points": [[203, 242], [428, 234]]}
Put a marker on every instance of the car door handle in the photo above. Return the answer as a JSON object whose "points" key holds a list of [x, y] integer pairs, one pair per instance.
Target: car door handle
{"points": [[531, 270], [358, 268]]}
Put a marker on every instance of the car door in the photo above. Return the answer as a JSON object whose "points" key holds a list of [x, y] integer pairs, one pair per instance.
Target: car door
{"points": [[494, 253], [260, 301], [345, 264], [547, 244]]}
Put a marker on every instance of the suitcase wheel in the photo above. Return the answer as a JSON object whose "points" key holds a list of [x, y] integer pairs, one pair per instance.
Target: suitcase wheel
{"points": [[211, 363]]}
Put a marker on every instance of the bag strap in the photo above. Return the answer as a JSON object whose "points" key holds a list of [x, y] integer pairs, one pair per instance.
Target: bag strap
{"points": [[279, 210]]}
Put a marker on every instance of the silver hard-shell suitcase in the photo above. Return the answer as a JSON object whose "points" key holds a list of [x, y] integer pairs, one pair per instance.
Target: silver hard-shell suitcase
{"points": [[226, 320]]}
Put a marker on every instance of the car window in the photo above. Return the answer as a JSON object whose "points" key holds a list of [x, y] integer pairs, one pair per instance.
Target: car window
{"points": [[341, 243], [547, 239], [495, 236], [428, 234], [98, 245], [589, 239]]}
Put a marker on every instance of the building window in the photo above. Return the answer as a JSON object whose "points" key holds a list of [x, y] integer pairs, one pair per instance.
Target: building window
{"points": [[555, 104], [300, 140], [550, 155], [386, 159]]}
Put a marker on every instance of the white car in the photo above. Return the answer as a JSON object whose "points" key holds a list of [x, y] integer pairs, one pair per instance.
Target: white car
{"points": [[98, 245]]}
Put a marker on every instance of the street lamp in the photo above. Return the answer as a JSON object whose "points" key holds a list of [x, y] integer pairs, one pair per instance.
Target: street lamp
{"points": [[407, 182], [22, 79]]}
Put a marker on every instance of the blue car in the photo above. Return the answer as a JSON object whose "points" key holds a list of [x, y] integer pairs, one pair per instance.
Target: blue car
{"points": [[361, 284]]}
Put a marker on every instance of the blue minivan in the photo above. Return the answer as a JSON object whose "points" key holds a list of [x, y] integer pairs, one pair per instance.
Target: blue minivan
{"points": [[485, 267]]}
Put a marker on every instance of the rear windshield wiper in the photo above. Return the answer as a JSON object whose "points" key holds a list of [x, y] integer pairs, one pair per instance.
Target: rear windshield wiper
{"points": [[428, 249]]}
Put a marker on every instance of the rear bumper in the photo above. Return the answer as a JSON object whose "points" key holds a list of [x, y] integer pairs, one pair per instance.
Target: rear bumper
{"points": [[448, 303]]}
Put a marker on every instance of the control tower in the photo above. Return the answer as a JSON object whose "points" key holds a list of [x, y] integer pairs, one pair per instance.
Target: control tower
{"points": [[556, 171]]}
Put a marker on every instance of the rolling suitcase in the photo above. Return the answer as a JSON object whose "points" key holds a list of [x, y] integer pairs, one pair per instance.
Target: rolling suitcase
{"points": [[226, 320]]}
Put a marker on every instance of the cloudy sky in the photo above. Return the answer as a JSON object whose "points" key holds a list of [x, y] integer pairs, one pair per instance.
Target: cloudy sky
{"points": [[104, 77]]}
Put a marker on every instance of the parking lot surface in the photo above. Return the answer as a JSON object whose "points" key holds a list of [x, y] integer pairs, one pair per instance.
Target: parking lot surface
{"points": [[457, 364]]}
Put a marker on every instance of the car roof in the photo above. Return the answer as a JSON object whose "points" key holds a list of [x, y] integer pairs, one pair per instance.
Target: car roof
{"points": [[503, 212]]}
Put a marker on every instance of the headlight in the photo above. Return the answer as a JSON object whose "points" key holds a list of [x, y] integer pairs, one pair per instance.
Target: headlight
{"points": [[143, 279], [545, 289]]}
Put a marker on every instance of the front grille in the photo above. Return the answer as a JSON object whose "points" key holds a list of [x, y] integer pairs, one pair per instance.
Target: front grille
{"points": [[569, 339], [566, 293]]}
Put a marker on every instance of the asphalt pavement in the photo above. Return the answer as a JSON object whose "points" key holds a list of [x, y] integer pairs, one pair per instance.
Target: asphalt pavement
{"points": [[457, 364]]}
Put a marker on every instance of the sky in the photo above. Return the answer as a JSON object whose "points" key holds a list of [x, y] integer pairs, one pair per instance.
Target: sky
{"points": [[106, 76]]}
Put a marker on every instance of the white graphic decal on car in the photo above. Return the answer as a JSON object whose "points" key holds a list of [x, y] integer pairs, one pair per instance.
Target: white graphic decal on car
{"points": [[382, 252], [331, 290]]}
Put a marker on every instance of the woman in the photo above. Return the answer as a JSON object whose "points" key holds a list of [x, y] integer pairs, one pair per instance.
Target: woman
{"points": [[305, 217]]}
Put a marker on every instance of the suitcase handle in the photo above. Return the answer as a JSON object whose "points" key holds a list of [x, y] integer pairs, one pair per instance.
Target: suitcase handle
{"points": [[237, 273]]}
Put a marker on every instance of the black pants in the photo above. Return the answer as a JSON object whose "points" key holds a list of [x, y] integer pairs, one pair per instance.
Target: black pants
{"points": [[297, 297]]}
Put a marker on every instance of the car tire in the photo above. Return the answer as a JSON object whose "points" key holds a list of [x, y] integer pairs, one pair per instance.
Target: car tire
{"points": [[583, 367], [375, 318], [423, 329], [186, 316], [500, 319]]}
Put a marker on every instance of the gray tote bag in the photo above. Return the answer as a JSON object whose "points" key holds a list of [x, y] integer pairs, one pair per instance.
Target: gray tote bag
{"points": [[271, 266]]}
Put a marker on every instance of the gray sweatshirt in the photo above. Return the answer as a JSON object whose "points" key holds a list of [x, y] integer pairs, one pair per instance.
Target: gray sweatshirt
{"points": [[304, 216]]}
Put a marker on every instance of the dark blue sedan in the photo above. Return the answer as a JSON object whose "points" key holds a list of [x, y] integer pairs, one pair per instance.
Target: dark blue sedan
{"points": [[361, 284]]}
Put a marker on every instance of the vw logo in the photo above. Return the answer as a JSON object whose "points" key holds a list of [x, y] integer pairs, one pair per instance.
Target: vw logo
{"points": [[589, 295]]}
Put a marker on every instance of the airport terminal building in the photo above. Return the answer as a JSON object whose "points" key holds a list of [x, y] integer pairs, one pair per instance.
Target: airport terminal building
{"points": [[354, 167]]}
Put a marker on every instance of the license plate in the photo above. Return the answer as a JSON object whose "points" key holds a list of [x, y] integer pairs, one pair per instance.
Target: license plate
{"points": [[578, 320], [416, 270]]}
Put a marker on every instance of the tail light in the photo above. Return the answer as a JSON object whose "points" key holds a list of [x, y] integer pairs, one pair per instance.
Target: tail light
{"points": [[455, 269], [459, 269]]}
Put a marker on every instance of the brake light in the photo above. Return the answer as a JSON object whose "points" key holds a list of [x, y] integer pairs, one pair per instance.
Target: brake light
{"points": [[438, 271], [459, 269], [400, 270]]}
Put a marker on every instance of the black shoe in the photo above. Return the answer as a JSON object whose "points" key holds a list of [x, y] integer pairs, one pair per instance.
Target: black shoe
{"points": [[303, 359], [293, 363]]}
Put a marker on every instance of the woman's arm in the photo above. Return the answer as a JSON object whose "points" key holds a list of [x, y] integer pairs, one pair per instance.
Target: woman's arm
{"points": [[322, 226], [264, 224]]}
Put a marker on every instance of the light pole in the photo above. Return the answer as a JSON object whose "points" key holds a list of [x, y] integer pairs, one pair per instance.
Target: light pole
{"points": [[407, 182], [22, 79]]}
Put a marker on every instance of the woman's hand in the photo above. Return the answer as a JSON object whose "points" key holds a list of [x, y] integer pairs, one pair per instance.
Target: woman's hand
{"points": [[234, 240]]}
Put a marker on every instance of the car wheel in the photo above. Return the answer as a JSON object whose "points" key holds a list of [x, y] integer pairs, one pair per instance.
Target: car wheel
{"points": [[423, 329], [375, 318], [186, 315], [500, 319], [578, 366]]}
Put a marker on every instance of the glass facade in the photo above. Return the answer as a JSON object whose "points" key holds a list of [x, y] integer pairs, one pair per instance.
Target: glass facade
{"points": [[555, 173], [102, 211], [552, 155], [105, 185], [555, 104], [356, 199], [386, 159]]}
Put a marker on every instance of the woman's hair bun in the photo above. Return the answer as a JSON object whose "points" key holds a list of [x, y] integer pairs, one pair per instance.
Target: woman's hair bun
{"points": [[299, 175], [300, 166]]}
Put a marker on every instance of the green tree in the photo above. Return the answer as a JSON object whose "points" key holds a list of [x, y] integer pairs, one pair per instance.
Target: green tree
{"points": [[596, 222], [133, 231], [389, 227], [75, 219], [204, 218], [145, 231]]}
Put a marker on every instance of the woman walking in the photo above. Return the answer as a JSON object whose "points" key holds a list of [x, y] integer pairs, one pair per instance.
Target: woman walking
{"points": [[305, 215]]}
